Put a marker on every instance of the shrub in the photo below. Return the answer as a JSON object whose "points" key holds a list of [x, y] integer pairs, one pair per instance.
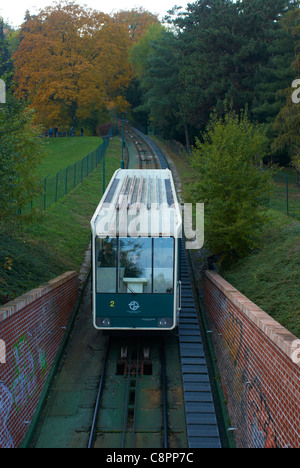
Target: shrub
{"points": [[232, 184]]}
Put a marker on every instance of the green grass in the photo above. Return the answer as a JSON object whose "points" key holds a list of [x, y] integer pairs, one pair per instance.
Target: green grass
{"points": [[62, 152], [270, 277], [56, 240]]}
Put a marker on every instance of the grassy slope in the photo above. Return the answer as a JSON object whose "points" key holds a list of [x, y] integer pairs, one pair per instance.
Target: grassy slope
{"points": [[63, 152], [269, 277], [56, 242]]}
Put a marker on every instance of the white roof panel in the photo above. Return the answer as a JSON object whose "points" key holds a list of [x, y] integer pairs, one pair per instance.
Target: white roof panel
{"points": [[139, 203]]}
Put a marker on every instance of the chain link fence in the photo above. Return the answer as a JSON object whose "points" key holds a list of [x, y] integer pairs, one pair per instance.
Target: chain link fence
{"points": [[65, 180], [285, 196]]}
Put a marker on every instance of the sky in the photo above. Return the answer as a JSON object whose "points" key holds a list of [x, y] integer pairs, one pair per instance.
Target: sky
{"points": [[13, 11]]}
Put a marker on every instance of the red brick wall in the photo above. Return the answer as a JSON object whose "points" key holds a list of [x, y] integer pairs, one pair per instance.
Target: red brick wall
{"points": [[259, 365], [31, 330]]}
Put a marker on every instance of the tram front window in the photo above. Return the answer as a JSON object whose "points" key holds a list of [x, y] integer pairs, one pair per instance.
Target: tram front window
{"points": [[135, 265], [106, 255], [163, 255]]}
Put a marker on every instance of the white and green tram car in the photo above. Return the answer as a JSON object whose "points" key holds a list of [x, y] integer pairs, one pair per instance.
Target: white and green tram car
{"points": [[136, 231]]}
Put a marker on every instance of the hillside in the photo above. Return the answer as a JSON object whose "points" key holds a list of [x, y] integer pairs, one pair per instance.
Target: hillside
{"points": [[270, 277], [56, 240]]}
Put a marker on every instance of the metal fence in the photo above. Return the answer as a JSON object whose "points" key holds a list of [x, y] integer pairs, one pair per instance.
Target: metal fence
{"points": [[65, 180], [285, 196]]}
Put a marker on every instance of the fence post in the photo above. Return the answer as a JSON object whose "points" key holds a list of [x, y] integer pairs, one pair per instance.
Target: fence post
{"points": [[287, 192], [45, 190], [56, 185], [66, 181]]}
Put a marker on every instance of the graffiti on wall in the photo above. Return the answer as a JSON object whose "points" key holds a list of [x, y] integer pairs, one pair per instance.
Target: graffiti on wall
{"points": [[25, 381], [260, 423], [6, 402]]}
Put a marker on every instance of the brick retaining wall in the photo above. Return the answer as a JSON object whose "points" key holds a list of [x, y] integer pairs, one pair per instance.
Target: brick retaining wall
{"points": [[32, 328], [259, 367]]}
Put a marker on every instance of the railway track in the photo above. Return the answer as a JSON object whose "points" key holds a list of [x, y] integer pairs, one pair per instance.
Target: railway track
{"points": [[133, 393], [141, 154], [137, 392]]}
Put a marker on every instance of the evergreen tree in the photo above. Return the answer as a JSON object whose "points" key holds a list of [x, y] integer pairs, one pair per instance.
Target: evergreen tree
{"points": [[6, 63], [229, 51], [155, 59], [287, 123], [160, 86]]}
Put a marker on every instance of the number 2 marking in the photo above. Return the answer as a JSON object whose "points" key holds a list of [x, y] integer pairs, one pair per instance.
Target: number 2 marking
{"points": [[112, 303]]}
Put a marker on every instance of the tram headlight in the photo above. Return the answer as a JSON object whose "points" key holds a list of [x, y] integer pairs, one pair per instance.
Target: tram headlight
{"points": [[105, 322], [164, 322]]}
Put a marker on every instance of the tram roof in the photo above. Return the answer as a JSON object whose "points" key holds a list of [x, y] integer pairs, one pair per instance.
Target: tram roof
{"points": [[139, 203]]}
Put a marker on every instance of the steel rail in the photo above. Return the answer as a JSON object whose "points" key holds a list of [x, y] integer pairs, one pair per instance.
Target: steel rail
{"points": [[97, 404], [135, 396], [125, 418], [164, 393]]}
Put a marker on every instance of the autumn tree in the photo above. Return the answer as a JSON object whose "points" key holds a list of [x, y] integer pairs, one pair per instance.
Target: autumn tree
{"points": [[137, 22], [72, 63]]}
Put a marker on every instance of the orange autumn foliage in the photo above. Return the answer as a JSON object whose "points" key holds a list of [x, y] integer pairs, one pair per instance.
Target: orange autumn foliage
{"points": [[72, 61], [137, 22]]}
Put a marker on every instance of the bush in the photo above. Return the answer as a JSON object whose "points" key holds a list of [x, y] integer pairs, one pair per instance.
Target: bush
{"points": [[232, 183], [103, 129]]}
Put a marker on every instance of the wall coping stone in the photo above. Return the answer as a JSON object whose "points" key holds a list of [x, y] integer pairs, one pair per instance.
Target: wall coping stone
{"points": [[14, 306]]}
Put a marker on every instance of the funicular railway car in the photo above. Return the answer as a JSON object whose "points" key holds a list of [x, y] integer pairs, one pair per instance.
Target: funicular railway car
{"points": [[135, 250]]}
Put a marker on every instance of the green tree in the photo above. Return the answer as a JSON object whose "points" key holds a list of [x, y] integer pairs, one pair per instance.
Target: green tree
{"points": [[156, 61], [231, 183], [6, 64], [287, 124], [138, 57], [21, 150], [140, 51], [226, 47]]}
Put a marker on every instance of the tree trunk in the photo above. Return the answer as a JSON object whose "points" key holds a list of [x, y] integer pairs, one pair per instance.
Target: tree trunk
{"points": [[187, 138]]}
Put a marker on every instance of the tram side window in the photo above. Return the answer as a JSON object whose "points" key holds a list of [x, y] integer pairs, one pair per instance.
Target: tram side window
{"points": [[106, 257], [163, 277]]}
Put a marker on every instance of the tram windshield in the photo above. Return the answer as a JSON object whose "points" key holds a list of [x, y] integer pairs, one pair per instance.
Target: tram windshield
{"points": [[135, 265]]}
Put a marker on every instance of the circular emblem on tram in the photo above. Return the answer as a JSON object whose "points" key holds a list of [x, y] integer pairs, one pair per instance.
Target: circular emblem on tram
{"points": [[134, 305]]}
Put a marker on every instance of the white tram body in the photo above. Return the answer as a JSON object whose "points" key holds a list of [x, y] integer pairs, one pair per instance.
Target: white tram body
{"points": [[135, 252]]}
